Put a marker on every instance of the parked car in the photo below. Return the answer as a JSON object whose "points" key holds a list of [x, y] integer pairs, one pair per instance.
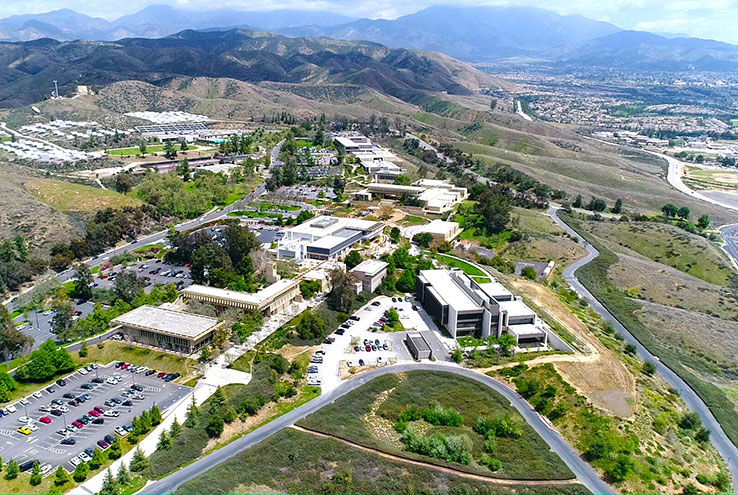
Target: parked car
{"points": [[103, 444], [94, 413], [112, 414], [37, 394], [61, 382], [56, 412], [69, 441], [23, 401], [24, 430], [78, 424], [45, 419], [98, 421], [109, 438]]}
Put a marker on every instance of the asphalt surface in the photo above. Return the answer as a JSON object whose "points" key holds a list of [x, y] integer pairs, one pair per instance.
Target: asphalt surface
{"points": [[584, 473], [730, 236], [39, 323], [722, 443], [44, 444]]}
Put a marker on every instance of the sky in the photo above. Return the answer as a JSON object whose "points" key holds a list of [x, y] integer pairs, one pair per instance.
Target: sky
{"points": [[712, 19]]}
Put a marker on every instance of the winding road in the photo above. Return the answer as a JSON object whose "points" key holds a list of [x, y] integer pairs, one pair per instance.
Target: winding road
{"points": [[722, 443], [583, 471]]}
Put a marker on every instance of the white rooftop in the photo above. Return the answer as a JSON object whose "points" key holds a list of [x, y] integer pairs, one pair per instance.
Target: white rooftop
{"points": [[525, 329], [516, 309], [245, 297], [167, 321], [447, 289], [495, 289], [439, 227], [370, 267], [326, 225]]}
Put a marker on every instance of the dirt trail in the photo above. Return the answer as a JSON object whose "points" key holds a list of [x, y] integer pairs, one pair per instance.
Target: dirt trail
{"points": [[604, 380], [442, 469]]}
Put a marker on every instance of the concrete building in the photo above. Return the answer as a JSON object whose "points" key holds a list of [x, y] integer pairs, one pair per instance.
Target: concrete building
{"points": [[326, 238], [383, 171], [436, 196], [418, 346], [270, 300], [370, 273], [467, 308], [166, 329], [352, 142], [440, 230]]}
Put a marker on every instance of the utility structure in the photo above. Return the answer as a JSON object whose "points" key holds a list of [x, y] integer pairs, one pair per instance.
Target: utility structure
{"points": [[56, 90]]}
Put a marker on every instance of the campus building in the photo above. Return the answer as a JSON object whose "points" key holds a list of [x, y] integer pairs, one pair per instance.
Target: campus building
{"points": [[166, 329], [370, 273], [435, 196], [326, 238], [270, 300], [418, 346], [465, 307], [438, 229]]}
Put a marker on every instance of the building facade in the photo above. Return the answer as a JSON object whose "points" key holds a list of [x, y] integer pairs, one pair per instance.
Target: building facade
{"points": [[270, 300], [326, 238], [370, 273]]}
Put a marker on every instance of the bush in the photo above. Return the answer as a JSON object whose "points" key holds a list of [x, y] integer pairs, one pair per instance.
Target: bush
{"points": [[690, 421], [81, 472], [648, 368], [215, 426], [492, 463], [452, 448], [441, 416]]}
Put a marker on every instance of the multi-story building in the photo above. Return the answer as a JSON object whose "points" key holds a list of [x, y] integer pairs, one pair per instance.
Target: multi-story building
{"points": [[370, 273], [326, 238], [436, 196], [465, 307], [270, 300]]}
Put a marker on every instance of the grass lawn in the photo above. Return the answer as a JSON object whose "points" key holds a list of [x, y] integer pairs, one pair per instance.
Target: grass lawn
{"points": [[465, 267], [254, 214], [270, 206], [136, 151], [367, 416], [66, 196], [160, 361], [149, 247], [413, 220], [297, 462]]}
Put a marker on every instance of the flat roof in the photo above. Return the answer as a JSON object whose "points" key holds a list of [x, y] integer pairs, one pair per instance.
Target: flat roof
{"points": [[495, 289], [516, 308], [525, 329], [438, 227], [445, 286], [327, 225], [419, 341], [370, 267], [167, 321], [244, 297]]}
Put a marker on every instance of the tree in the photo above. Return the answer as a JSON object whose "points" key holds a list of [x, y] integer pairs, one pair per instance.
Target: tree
{"points": [[597, 204], [128, 285], [139, 462], [529, 272], [155, 415], [683, 213], [669, 210], [192, 414], [115, 451], [109, 485], [83, 349], [215, 426], [183, 170], [123, 182], [169, 150], [578, 201], [648, 368], [690, 421], [83, 286], [175, 429], [506, 343], [12, 471], [36, 478], [618, 208], [142, 148], [352, 259], [98, 459], [124, 476], [495, 205], [703, 222], [165, 441], [80, 472], [341, 296], [395, 234], [311, 326], [423, 239], [621, 468], [689, 488], [403, 180], [457, 355], [406, 282], [61, 477], [63, 312], [702, 435]]}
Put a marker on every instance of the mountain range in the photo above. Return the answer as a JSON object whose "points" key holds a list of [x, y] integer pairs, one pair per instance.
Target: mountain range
{"points": [[476, 34], [28, 69]]}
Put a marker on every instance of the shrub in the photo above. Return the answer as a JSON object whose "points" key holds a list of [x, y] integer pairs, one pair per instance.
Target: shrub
{"points": [[690, 421], [215, 426], [648, 368], [440, 416], [492, 463]]}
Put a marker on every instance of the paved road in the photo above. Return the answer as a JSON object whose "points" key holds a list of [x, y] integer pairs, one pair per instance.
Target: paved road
{"points": [[721, 441], [581, 469]]}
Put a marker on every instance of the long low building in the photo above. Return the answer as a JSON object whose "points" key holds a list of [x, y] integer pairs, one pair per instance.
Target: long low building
{"points": [[270, 300], [326, 238], [436, 196], [166, 329], [465, 307]]}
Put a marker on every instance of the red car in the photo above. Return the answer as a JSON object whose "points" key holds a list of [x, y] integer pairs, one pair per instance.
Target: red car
{"points": [[161, 375], [93, 413], [99, 409], [77, 424], [45, 419], [125, 366], [368, 348]]}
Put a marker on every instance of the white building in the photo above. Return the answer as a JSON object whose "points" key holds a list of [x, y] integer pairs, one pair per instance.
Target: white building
{"points": [[370, 273], [325, 238]]}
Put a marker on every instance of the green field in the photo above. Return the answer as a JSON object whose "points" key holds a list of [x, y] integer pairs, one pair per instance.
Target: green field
{"points": [[254, 214], [66, 196], [368, 416], [157, 148], [467, 268], [296, 462]]}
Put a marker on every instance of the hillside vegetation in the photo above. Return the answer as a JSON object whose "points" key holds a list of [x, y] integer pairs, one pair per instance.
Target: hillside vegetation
{"points": [[66, 196]]}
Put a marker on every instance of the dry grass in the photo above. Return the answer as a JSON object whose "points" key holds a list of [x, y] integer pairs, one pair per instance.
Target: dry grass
{"points": [[66, 196]]}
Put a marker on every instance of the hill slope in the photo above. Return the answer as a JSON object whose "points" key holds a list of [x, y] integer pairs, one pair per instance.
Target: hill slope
{"points": [[28, 69]]}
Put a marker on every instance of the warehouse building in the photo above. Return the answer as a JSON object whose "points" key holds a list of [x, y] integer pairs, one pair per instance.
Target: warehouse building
{"points": [[166, 329], [326, 238], [370, 273], [465, 307]]}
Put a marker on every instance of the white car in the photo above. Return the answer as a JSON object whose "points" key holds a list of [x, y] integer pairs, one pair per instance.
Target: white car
{"points": [[121, 431], [83, 371], [63, 409], [45, 408], [112, 414], [84, 457], [24, 401], [45, 469], [111, 380], [37, 394], [75, 461], [25, 419], [11, 409], [32, 426]]}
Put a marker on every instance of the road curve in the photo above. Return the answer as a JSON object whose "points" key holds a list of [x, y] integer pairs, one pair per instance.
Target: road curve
{"points": [[583, 471], [722, 443]]}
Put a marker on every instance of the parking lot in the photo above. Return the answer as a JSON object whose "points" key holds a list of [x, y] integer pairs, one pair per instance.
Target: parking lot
{"points": [[37, 324], [44, 444], [351, 346], [163, 273]]}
